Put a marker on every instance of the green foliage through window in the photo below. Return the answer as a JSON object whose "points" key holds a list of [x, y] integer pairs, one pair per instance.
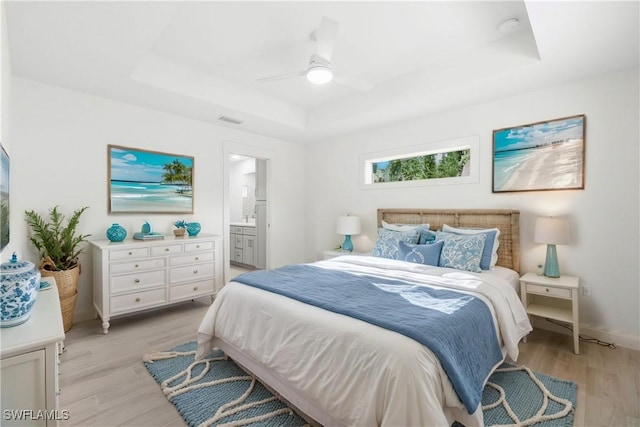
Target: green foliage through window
{"points": [[439, 165]]}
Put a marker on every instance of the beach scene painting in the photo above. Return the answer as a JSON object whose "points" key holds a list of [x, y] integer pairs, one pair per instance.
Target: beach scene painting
{"points": [[149, 181], [540, 156]]}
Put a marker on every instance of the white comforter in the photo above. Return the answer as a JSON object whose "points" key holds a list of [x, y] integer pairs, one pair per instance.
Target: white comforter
{"points": [[357, 373]]}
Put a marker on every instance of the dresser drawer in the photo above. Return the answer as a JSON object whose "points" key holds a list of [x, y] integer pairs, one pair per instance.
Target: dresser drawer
{"points": [[190, 290], [138, 300], [200, 246], [191, 259], [127, 267], [123, 254], [165, 250], [129, 282], [190, 273], [548, 290]]}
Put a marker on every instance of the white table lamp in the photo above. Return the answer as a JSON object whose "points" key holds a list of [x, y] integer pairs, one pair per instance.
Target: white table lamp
{"points": [[552, 231], [348, 226]]}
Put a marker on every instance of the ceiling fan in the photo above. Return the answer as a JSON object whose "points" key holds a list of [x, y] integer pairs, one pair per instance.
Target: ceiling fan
{"points": [[320, 70]]}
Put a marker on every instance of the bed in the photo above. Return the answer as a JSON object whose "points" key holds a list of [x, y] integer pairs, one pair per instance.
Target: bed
{"points": [[340, 370]]}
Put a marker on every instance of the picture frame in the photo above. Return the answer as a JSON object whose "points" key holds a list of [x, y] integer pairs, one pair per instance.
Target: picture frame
{"points": [[540, 156], [5, 229], [145, 181]]}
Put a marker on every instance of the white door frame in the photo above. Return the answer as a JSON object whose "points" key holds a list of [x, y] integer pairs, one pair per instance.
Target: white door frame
{"points": [[229, 148]]}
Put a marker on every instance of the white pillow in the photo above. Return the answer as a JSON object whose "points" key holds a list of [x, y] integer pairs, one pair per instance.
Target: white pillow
{"points": [[403, 227], [494, 244]]}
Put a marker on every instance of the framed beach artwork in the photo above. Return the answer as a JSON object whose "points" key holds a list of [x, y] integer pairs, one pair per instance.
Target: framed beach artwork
{"points": [[4, 198], [540, 156], [143, 181]]}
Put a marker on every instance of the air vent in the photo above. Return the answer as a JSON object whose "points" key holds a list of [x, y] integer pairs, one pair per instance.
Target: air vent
{"points": [[230, 120]]}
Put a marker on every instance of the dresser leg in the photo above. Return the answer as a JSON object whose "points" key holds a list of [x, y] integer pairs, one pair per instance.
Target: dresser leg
{"points": [[105, 328]]}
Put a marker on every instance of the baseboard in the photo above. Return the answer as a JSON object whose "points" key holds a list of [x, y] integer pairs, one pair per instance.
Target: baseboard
{"points": [[620, 340]]}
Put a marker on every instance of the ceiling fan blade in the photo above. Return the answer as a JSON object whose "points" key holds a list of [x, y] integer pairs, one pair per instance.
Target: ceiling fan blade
{"points": [[326, 36], [353, 82], [282, 76]]}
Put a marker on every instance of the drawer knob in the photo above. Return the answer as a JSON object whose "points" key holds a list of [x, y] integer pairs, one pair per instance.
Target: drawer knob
{"points": [[197, 246], [195, 271], [195, 288], [546, 289], [197, 258], [137, 280], [166, 249], [137, 299], [130, 253], [136, 265]]}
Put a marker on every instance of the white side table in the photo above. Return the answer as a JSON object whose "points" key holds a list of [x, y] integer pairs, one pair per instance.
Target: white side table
{"points": [[562, 288], [335, 253], [29, 363]]}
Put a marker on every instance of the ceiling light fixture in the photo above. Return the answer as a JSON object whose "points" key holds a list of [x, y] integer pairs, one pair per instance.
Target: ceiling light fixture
{"points": [[319, 71], [509, 24], [319, 75]]}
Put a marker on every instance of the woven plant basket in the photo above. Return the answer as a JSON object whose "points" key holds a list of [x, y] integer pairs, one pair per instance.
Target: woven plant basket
{"points": [[66, 280], [67, 304]]}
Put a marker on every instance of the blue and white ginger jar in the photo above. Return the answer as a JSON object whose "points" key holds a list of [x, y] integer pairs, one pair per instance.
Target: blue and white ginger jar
{"points": [[19, 285], [116, 233]]}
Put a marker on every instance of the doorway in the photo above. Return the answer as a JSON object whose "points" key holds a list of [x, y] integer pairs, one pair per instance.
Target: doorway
{"points": [[246, 209]]}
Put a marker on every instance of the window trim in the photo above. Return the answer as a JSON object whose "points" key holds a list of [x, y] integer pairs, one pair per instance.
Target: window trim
{"points": [[469, 142]]}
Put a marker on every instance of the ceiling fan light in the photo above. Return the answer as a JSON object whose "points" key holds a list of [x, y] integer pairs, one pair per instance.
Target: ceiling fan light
{"points": [[319, 75]]}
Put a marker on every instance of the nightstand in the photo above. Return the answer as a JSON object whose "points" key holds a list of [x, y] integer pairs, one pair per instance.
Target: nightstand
{"points": [[338, 252], [553, 299]]}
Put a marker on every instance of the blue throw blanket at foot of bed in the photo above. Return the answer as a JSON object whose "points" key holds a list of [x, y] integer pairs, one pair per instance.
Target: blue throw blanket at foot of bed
{"points": [[458, 328]]}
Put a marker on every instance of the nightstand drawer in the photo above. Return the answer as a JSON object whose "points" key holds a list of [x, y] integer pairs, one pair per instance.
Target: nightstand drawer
{"points": [[548, 290]]}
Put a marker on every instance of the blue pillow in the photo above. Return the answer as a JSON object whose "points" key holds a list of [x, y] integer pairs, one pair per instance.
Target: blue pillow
{"points": [[388, 240], [426, 236], [420, 254], [490, 250], [462, 252]]}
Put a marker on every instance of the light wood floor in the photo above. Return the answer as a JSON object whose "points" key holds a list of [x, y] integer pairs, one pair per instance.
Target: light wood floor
{"points": [[104, 382]]}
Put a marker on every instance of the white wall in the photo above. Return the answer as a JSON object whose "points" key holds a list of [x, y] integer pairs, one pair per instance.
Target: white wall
{"points": [[604, 216], [5, 106], [59, 157]]}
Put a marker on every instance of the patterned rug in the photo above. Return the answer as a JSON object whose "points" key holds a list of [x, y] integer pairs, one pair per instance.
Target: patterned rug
{"points": [[215, 391]]}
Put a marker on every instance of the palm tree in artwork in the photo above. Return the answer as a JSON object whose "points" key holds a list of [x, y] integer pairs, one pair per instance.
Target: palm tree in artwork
{"points": [[177, 173]]}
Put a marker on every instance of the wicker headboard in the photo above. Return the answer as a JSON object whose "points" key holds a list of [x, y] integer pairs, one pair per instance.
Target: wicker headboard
{"points": [[507, 221]]}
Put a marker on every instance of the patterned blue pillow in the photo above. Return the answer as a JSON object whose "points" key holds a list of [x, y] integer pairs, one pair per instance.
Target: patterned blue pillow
{"points": [[426, 236], [420, 254], [388, 240], [462, 252], [490, 251]]}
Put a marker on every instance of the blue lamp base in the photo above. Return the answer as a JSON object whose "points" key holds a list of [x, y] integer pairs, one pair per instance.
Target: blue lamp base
{"points": [[347, 246], [551, 267]]}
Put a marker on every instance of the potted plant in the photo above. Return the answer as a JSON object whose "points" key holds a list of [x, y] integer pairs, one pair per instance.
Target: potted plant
{"points": [[59, 246], [181, 228]]}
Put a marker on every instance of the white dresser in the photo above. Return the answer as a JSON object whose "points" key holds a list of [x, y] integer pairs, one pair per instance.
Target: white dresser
{"points": [[136, 275], [29, 365]]}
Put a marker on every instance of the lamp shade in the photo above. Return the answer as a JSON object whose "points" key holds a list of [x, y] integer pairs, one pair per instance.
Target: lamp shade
{"points": [[553, 231], [348, 225]]}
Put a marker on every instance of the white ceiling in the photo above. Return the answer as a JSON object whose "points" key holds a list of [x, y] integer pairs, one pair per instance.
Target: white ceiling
{"points": [[201, 59]]}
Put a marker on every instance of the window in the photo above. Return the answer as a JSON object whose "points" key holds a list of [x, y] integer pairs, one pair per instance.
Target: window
{"points": [[445, 162]]}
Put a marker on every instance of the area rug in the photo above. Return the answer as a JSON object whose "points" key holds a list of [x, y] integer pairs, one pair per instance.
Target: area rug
{"points": [[216, 391]]}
